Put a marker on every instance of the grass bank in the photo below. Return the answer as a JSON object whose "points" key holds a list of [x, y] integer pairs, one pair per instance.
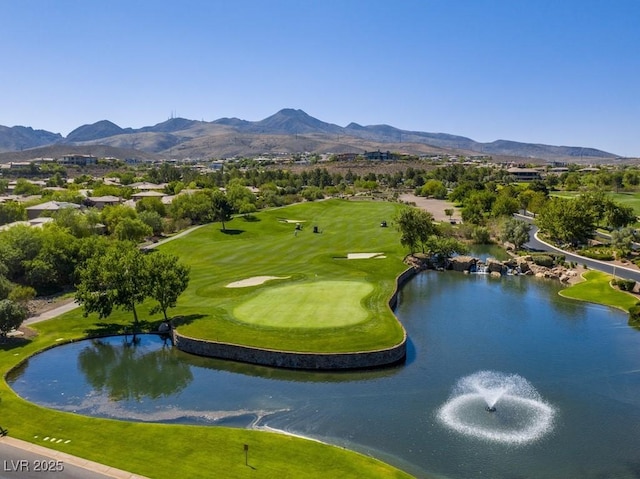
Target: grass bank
{"points": [[597, 289]]}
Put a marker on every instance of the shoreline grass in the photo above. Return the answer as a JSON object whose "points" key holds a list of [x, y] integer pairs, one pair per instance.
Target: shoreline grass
{"points": [[597, 289]]}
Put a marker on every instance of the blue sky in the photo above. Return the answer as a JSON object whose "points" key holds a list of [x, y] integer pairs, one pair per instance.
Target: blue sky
{"points": [[542, 71]]}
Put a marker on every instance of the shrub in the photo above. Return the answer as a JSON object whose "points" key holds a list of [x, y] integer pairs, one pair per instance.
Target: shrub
{"points": [[624, 284], [634, 316], [602, 254], [481, 235], [543, 260]]}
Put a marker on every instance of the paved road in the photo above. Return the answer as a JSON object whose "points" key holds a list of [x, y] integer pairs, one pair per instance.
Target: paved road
{"points": [[535, 243], [23, 460]]}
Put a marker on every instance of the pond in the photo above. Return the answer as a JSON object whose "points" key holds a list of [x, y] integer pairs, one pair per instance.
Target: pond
{"points": [[564, 377]]}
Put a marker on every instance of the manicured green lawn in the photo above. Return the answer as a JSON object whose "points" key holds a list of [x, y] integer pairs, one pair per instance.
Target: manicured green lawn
{"points": [[264, 247], [354, 314], [597, 289], [628, 199], [319, 304]]}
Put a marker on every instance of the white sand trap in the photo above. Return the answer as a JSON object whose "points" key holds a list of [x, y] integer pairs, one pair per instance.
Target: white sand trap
{"points": [[364, 255], [286, 220], [254, 281]]}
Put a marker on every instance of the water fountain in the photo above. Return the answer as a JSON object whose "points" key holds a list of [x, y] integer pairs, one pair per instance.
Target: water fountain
{"points": [[518, 413]]}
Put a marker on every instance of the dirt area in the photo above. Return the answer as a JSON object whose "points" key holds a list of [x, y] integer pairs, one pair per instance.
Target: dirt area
{"points": [[433, 206]]}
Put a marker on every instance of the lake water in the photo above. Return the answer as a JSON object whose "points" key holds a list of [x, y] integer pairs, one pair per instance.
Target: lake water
{"points": [[581, 360]]}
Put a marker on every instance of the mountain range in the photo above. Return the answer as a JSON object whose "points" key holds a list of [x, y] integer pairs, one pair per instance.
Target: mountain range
{"points": [[287, 131]]}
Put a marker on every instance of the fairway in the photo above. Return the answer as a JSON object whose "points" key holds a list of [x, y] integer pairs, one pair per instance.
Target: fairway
{"points": [[320, 304]]}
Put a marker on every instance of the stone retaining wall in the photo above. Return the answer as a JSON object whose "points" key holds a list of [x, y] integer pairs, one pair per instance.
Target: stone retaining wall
{"points": [[301, 360]]}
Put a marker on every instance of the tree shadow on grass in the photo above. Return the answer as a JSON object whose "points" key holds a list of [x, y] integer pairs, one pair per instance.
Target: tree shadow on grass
{"points": [[7, 344], [251, 218], [231, 232], [184, 320]]}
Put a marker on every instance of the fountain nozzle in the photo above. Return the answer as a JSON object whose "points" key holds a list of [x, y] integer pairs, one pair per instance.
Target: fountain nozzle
{"points": [[491, 409]]}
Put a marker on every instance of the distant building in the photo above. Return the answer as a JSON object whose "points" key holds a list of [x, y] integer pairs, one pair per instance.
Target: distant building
{"points": [[48, 208], [78, 160], [378, 155], [147, 194], [346, 156], [524, 174], [102, 201]]}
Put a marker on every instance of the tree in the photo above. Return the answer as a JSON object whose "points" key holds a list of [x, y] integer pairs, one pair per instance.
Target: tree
{"points": [[516, 232], [415, 227], [118, 278], [129, 229], [221, 208], [567, 221], [168, 279], [12, 315], [12, 211], [434, 188], [617, 215], [622, 241], [153, 220], [151, 204], [443, 247], [449, 212], [113, 215]]}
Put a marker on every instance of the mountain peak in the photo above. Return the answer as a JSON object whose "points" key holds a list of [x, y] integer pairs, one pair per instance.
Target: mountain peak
{"points": [[100, 129], [290, 121]]}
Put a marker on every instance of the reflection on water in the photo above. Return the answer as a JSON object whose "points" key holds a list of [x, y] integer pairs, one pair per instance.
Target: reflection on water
{"points": [[132, 371], [581, 358]]}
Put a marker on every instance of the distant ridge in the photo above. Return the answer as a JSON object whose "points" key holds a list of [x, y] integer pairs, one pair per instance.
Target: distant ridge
{"points": [[287, 131]]}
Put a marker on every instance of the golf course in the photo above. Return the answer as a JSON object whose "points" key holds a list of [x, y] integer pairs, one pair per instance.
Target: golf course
{"points": [[324, 287], [263, 283]]}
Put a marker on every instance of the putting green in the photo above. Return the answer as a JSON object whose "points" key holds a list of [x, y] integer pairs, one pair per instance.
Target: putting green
{"points": [[321, 304]]}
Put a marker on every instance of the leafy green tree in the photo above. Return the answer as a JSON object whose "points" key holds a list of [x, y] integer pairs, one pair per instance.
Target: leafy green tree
{"points": [[516, 231], [505, 206], [434, 188], [238, 194], [195, 207], [112, 215], [11, 316], [168, 278], [12, 211], [132, 229], [622, 241], [618, 216], [415, 226], [17, 245], [449, 212], [76, 222], [151, 204], [5, 287], [22, 294], [25, 187], [221, 208], [567, 221], [443, 247], [153, 220], [117, 279]]}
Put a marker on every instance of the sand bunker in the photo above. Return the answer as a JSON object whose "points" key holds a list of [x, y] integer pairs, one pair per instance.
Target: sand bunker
{"points": [[292, 221], [365, 255], [254, 281]]}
